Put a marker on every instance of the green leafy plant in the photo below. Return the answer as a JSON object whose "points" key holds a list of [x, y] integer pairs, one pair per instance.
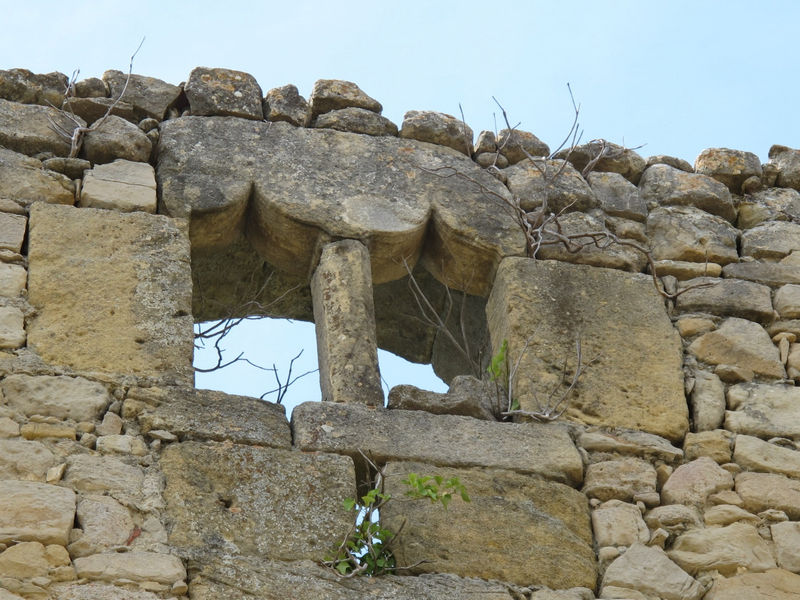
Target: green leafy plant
{"points": [[366, 549]]}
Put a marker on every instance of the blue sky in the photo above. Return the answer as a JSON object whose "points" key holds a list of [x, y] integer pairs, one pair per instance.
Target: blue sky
{"points": [[676, 76]]}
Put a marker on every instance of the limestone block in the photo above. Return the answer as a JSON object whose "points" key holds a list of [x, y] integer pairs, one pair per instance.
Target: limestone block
{"points": [[666, 186], [111, 425], [786, 537], [690, 326], [22, 459], [93, 109], [771, 241], [516, 145], [8, 428], [617, 523], [145, 326], [149, 96], [729, 167], [344, 315], [286, 104], [12, 327], [544, 537], [35, 512], [255, 501], [20, 85], [614, 158], [775, 584], [550, 180], [676, 163], [724, 549], [788, 162], [12, 231], [683, 270], [27, 560], [771, 274], [335, 94], [90, 473], [105, 523], [635, 380], [693, 482], [714, 444], [26, 128], [673, 517], [764, 410], [96, 591], [35, 431], [741, 343], [617, 196], [630, 442], [133, 566], [707, 401], [243, 576], [437, 128], [121, 444], [25, 181], [467, 396], [308, 186], [787, 301], [62, 397], [446, 440], [121, 185], [115, 138], [208, 415], [690, 234], [725, 514], [771, 204], [619, 479], [754, 454], [764, 491], [356, 120], [648, 570], [13, 279], [223, 92]]}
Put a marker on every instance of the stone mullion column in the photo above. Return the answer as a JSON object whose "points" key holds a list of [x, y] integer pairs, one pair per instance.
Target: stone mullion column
{"points": [[344, 313]]}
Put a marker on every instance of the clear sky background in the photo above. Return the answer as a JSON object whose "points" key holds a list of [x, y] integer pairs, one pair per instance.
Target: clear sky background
{"points": [[676, 76]]}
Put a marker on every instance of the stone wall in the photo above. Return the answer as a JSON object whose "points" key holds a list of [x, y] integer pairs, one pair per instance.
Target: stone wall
{"points": [[673, 472]]}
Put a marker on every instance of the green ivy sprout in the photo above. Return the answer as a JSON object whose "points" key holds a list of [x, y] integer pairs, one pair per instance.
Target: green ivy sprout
{"points": [[366, 549]]}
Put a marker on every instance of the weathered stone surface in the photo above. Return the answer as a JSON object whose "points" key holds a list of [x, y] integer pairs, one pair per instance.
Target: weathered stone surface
{"points": [[742, 343], [617, 523], [149, 96], [771, 204], [120, 444], [486, 143], [764, 410], [649, 571], [765, 273], [619, 479], [106, 524], [286, 104], [666, 186], [29, 560], [356, 120], [92, 109], [544, 537], [614, 158], [344, 314], [250, 577], [716, 444], [467, 396], [35, 431], [12, 327], [224, 93], [131, 566], [372, 184], [207, 415], [725, 514], [775, 584], [116, 138], [636, 443], [26, 128], [12, 231], [786, 537], [772, 240], [724, 549], [617, 196], [71, 167], [89, 473], [121, 185], [445, 440], [25, 181], [765, 491], [560, 185], [35, 512], [144, 258], [73, 398], [625, 228], [437, 128], [754, 454], [21, 459], [693, 482], [675, 163], [787, 301], [334, 94], [730, 167], [690, 234], [636, 381], [21, 85], [787, 160], [516, 145], [260, 501], [707, 401], [673, 517], [726, 298], [96, 591]]}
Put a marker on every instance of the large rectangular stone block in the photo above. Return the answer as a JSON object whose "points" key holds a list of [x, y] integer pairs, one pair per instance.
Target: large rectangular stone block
{"points": [[634, 380], [113, 292]]}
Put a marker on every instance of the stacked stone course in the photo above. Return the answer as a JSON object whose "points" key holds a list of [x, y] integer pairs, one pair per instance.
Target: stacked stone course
{"points": [[674, 472]]}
